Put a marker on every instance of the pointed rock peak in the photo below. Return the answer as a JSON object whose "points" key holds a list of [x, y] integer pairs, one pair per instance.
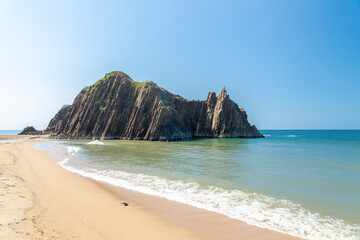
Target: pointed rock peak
{"points": [[223, 92]]}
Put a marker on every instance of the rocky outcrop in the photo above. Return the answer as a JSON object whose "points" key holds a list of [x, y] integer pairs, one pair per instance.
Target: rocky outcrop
{"points": [[116, 107], [30, 130]]}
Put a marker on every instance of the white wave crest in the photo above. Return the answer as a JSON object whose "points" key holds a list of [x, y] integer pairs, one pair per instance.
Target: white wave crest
{"points": [[72, 150], [64, 161], [96, 142], [253, 208]]}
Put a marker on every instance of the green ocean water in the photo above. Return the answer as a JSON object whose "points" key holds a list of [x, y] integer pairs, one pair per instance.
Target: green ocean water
{"points": [[304, 183]]}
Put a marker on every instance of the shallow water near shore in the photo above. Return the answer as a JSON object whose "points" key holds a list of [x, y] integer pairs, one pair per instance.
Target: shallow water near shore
{"points": [[303, 183]]}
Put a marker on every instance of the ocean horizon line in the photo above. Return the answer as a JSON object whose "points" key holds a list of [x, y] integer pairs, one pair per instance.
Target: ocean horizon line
{"points": [[267, 129]]}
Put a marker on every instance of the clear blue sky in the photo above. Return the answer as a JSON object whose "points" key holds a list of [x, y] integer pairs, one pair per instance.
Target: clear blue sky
{"points": [[290, 64]]}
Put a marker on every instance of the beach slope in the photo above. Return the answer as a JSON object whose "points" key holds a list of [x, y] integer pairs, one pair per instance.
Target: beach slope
{"points": [[41, 200]]}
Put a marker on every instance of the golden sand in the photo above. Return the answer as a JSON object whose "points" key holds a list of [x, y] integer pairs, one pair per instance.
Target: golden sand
{"points": [[41, 200]]}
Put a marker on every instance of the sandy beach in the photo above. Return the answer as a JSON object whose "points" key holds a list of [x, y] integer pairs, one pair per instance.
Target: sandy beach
{"points": [[41, 200], [22, 137]]}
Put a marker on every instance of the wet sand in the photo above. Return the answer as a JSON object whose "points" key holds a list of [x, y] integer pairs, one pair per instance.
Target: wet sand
{"points": [[22, 137], [41, 200]]}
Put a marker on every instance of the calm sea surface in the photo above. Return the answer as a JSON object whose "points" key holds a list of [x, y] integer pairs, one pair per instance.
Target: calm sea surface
{"points": [[304, 183], [10, 132]]}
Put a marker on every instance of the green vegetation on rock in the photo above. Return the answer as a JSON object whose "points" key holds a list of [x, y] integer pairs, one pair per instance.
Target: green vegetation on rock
{"points": [[114, 73], [137, 85], [105, 106], [95, 86]]}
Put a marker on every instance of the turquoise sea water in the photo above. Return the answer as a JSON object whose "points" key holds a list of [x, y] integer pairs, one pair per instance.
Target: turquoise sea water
{"points": [[304, 183], [10, 132]]}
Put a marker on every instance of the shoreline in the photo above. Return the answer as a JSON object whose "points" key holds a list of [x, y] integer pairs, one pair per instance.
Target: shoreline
{"points": [[23, 137], [55, 189], [203, 223]]}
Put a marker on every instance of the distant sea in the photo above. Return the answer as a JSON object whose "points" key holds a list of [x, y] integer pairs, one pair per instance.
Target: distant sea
{"points": [[303, 183], [10, 132]]}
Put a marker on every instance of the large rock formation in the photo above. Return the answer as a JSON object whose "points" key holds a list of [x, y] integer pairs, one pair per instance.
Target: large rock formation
{"points": [[116, 107]]}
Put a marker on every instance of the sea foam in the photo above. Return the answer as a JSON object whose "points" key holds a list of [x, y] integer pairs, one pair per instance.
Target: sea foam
{"points": [[254, 208], [96, 142], [72, 150]]}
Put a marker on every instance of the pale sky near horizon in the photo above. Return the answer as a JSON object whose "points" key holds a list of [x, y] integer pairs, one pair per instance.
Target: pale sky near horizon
{"points": [[290, 64]]}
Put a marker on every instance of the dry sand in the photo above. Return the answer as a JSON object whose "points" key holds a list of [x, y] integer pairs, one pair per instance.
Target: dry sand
{"points": [[41, 200]]}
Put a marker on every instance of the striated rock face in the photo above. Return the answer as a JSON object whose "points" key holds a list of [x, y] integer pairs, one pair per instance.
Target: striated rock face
{"points": [[116, 107], [58, 117]]}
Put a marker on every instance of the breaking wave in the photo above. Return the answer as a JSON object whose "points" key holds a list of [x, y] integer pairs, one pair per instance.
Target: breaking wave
{"points": [[96, 142], [256, 209]]}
